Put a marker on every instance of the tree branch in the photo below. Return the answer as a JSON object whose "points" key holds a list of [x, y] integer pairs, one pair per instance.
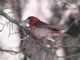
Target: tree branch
{"points": [[9, 18]]}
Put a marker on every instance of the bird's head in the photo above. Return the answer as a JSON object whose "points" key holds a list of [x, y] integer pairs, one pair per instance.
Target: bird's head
{"points": [[32, 20]]}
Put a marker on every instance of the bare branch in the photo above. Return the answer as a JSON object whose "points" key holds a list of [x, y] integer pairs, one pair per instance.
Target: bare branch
{"points": [[9, 18]]}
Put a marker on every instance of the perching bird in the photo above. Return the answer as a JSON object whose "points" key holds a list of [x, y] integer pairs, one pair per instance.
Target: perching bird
{"points": [[40, 29]]}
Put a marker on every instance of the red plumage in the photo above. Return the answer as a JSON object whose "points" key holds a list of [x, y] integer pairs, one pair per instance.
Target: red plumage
{"points": [[40, 29]]}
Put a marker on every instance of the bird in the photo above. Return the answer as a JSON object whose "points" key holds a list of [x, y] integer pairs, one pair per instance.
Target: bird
{"points": [[41, 29]]}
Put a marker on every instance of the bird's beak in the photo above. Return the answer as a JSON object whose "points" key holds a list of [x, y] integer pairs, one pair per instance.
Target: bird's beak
{"points": [[27, 22], [24, 23]]}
